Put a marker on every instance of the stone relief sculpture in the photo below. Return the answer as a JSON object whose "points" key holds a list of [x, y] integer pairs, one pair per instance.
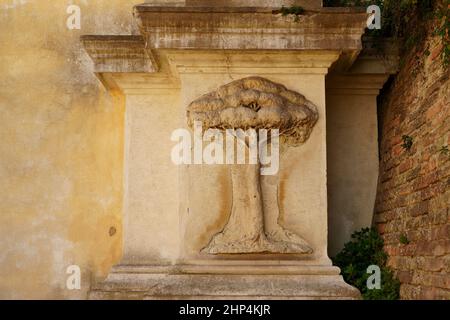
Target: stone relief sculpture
{"points": [[256, 103]]}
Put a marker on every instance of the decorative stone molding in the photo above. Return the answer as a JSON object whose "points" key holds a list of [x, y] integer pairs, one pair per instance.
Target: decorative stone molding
{"points": [[250, 61], [119, 54], [367, 74], [356, 84], [379, 56], [246, 28], [305, 4], [179, 285]]}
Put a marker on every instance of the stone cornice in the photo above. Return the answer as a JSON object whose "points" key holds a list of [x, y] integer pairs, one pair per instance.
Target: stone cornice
{"points": [[379, 56], [250, 62], [306, 4], [355, 84], [119, 53], [246, 28], [233, 36]]}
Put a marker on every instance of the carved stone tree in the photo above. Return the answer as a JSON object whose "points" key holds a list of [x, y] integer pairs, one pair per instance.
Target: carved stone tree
{"points": [[254, 103]]}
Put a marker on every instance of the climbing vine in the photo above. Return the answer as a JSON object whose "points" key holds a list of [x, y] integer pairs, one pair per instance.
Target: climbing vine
{"points": [[442, 30], [295, 11], [408, 19]]}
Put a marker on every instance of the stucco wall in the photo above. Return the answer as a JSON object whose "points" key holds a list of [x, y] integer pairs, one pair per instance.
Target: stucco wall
{"points": [[61, 149], [352, 147]]}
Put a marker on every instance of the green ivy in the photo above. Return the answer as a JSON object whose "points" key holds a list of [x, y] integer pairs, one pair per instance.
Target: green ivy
{"points": [[407, 19], [404, 239], [293, 10], [296, 10], [366, 249], [443, 29], [407, 142]]}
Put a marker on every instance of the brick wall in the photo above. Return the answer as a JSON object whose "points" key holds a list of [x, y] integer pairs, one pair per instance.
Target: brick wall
{"points": [[413, 194]]}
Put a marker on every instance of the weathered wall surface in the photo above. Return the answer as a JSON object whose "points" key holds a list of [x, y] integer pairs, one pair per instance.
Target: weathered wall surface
{"points": [[61, 149], [413, 193], [352, 165]]}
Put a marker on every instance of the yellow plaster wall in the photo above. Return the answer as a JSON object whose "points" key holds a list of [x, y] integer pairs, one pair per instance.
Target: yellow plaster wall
{"points": [[61, 148]]}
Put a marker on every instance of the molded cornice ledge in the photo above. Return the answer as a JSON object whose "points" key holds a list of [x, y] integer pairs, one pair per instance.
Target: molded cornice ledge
{"points": [[226, 28], [119, 53], [367, 75], [165, 29], [246, 28]]}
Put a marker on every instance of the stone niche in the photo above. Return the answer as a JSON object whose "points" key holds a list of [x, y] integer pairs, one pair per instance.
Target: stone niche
{"points": [[199, 231]]}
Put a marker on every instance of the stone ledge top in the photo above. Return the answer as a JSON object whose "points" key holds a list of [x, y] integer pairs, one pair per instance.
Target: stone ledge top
{"points": [[246, 28], [261, 3], [306, 4], [119, 53], [113, 37], [241, 9]]}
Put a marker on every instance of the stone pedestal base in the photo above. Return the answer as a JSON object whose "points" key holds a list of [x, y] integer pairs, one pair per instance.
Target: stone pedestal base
{"points": [[224, 282]]}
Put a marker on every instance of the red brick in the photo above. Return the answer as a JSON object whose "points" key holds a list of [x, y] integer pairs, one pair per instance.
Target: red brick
{"points": [[397, 150], [426, 181], [434, 264], [424, 248], [427, 293], [440, 281], [408, 291], [404, 276], [441, 232], [419, 209], [436, 51], [381, 227], [442, 294], [408, 250], [405, 166], [433, 248]]}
